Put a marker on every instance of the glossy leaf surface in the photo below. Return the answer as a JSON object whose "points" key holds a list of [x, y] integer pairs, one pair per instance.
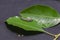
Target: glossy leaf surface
{"points": [[42, 16]]}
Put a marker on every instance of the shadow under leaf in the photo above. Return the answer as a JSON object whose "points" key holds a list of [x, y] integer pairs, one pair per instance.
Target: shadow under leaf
{"points": [[21, 31]]}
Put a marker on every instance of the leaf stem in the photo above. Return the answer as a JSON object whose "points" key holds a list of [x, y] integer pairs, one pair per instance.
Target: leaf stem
{"points": [[49, 33], [56, 36]]}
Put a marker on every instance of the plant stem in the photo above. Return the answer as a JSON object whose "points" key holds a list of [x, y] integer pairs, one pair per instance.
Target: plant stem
{"points": [[49, 33], [56, 36]]}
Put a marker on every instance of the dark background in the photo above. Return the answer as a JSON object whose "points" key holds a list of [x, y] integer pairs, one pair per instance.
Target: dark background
{"points": [[12, 7]]}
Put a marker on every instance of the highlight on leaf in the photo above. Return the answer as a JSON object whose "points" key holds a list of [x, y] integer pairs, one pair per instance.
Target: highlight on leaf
{"points": [[36, 18]]}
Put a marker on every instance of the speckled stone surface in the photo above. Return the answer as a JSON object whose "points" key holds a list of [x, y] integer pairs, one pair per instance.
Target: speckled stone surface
{"points": [[12, 7]]}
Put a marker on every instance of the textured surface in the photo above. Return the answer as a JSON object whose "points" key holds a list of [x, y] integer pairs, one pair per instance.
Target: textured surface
{"points": [[12, 7]]}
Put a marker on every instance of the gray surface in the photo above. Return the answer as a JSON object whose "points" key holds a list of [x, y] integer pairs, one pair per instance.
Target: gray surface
{"points": [[12, 7]]}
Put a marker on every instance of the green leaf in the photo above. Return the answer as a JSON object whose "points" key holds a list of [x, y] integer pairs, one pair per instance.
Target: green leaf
{"points": [[41, 16]]}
